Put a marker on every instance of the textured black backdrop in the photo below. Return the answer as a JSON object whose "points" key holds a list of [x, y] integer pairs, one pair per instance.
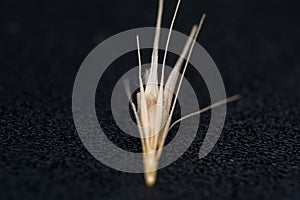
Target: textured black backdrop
{"points": [[256, 47]]}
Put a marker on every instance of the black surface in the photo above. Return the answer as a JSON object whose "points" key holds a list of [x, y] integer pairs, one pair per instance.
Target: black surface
{"points": [[256, 47]]}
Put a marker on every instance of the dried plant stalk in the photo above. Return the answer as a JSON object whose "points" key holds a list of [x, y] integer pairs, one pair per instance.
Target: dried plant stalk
{"points": [[155, 106]]}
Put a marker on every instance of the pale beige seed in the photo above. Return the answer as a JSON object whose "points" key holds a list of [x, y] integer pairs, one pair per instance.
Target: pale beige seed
{"points": [[155, 107]]}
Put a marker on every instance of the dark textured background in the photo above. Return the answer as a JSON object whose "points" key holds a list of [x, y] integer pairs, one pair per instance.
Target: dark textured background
{"points": [[256, 47]]}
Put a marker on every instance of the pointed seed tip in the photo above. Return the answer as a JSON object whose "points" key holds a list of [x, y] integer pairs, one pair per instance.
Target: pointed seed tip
{"points": [[150, 178]]}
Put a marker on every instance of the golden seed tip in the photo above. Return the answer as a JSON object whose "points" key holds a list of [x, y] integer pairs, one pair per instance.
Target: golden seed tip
{"points": [[150, 178]]}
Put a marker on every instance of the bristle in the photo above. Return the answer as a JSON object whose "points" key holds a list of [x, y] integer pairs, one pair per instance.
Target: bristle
{"points": [[186, 63], [158, 25], [166, 129], [167, 44], [172, 79], [140, 64], [225, 101], [152, 88]]}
